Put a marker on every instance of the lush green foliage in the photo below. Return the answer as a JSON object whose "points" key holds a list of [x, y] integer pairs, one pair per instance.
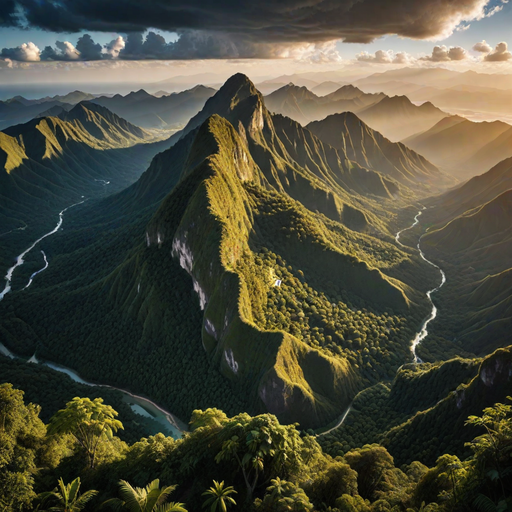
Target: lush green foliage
{"points": [[290, 470], [88, 421], [66, 498]]}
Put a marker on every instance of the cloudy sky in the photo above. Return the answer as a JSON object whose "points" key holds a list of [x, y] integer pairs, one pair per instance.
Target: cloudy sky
{"points": [[115, 40]]}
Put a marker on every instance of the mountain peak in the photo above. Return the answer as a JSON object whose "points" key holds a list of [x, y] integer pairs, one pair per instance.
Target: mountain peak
{"points": [[87, 105], [238, 80], [141, 93], [397, 100], [237, 100]]}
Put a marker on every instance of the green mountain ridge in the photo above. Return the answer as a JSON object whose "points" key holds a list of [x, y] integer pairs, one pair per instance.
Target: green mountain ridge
{"points": [[52, 161], [246, 207], [475, 228], [470, 237]]}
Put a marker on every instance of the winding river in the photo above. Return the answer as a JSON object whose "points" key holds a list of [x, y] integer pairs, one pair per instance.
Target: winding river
{"points": [[144, 407], [20, 260], [423, 333]]}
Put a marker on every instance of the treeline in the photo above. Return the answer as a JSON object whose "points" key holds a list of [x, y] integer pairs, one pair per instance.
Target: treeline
{"points": [[239, 463]]}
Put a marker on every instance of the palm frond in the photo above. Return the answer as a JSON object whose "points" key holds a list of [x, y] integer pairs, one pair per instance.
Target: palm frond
{"points": [[484, 504], [84, 499]]}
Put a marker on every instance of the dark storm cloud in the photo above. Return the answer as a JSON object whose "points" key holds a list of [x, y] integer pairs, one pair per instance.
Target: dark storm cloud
{"points": [[249, 22], [8, 16], [88, 49]]}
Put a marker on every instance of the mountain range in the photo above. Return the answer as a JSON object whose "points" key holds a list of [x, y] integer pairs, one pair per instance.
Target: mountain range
{"points": [[395, 117], [52, 160], [253, 265], [464, 147], [304, 106], [288, 245], [148, 111], [471, 236], [347, 133]]}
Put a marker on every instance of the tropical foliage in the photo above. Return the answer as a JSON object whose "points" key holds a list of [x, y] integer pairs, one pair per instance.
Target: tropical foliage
{"points": [[272, 467]]}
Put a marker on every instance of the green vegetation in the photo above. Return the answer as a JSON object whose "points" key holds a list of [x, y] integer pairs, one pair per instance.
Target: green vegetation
{"points": [[248, 208], [52, 162], [149, 499], [289, 468], [218, 496], [88, 421], [66, 497], [52, 390]]}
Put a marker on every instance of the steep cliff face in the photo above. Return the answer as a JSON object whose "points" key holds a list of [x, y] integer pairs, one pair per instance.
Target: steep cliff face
{"points": [[211, 242]]}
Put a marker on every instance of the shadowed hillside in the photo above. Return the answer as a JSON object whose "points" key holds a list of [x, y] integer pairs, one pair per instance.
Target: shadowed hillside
{"points": [[292, 293], [347, 133], [462, 146]]}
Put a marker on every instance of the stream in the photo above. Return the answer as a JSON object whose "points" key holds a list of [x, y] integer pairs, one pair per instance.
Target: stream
{"points": [[142, 406], [20, 260], [423, 333]]}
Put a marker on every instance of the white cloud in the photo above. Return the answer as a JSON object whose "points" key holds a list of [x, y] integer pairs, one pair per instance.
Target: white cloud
{"points": [[500, 53], [444, 54], [319, 53], [386, 57], [68, 51], [482, 47], [114, 47], [26, 52]]}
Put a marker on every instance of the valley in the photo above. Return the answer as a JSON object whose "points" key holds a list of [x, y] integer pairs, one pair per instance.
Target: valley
{"points": [[322, 263]]}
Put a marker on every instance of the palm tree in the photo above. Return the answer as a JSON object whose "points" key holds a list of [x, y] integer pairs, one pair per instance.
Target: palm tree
{"points": [[219, 496], [148, 499], [68, 499]]}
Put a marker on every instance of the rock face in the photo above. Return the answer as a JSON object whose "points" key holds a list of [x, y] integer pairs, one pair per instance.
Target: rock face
{"points": [[209, 239], [497, 370]]}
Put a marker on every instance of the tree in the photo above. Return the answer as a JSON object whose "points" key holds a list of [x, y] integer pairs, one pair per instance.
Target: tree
{"points": [[371, 462], [328, 485], [283, 496], [261, 445], [68, 499], [89, 421], [21, 437], [347, 503], [148, 499], [493, 450], [209, 418], [219, 497]]}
